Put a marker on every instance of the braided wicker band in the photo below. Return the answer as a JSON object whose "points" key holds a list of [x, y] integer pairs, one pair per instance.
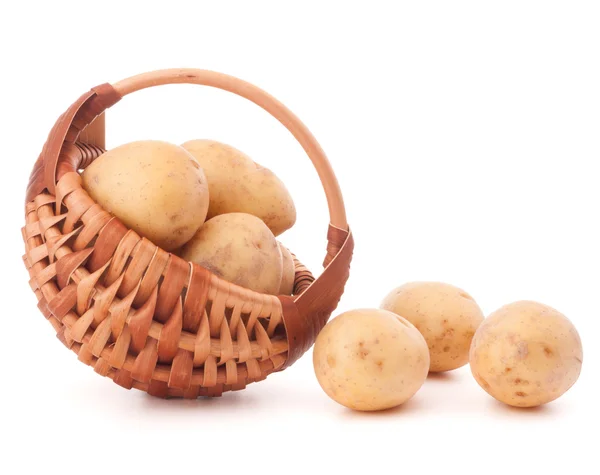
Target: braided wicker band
{"points": [[145, 317]]}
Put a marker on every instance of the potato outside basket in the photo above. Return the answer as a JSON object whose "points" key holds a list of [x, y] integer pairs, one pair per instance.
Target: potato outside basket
{"points": [[140, 315]]}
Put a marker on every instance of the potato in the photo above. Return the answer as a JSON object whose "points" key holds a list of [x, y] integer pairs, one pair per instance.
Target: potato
{"points": [[370, 359], [526, 354], [237, 184], [155, 188], [238, 247], [289, 272], [446, 316]]}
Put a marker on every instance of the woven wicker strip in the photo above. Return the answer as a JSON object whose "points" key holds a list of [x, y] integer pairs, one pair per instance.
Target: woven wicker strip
{"points": [[142, 316]]}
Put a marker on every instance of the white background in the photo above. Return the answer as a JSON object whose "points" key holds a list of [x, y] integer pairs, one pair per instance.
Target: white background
{"points": [[465, 136]]}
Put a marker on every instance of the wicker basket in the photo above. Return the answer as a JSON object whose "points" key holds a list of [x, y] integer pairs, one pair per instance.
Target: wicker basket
{"points": [[142, 316]]}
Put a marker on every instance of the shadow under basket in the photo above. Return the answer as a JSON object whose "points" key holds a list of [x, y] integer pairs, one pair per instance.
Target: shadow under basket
{"points": [[142, 316]]}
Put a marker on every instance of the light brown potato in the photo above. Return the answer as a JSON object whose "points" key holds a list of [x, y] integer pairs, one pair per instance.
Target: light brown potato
{"points": [[238, 247], [155, 188], [238, 184], [446, 316], [526, 354], [289, 271], [370, 359]]}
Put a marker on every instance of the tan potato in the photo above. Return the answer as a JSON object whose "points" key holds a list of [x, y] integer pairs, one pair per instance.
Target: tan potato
{"points": [[446, 316], [526, 354], [238, 184], [370, 359], [155, 188], [238, 247], [289, 272]]}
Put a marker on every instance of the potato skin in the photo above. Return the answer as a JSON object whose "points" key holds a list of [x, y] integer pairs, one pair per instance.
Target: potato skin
{"points": [[370, 359], [446, 316], [238, 247], [289, 271], [238, 184], [526, 354], [153, 187]]}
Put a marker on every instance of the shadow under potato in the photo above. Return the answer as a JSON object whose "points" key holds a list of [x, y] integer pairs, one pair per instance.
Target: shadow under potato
{"points": [[544, 410], [413, 405], [444, 376]]}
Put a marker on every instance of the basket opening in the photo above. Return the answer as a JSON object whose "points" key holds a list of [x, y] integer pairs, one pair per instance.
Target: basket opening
{"points": [[245, 317], [264, 322], [228, 315], [280, 331], [183, 293], [93, 241]]}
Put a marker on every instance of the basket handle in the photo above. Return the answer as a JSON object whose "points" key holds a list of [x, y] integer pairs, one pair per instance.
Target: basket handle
{"points": [[261, 98]]}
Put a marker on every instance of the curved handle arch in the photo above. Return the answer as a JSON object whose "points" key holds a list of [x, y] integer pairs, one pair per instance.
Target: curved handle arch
{"points": [[337, 212]]}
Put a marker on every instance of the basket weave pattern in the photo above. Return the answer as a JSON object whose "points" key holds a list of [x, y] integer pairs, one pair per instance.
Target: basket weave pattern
{"points": [[142, 316]]}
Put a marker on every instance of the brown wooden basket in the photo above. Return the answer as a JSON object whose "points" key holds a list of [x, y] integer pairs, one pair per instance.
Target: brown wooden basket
{"points": [[142, 316]]}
